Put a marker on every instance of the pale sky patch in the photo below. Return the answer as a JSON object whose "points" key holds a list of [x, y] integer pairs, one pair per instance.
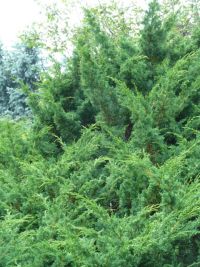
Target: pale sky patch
{"points": [[15, 15]]}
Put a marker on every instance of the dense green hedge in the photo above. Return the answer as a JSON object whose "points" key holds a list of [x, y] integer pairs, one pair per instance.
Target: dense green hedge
{"points": [[102, 203], [107, 172]]}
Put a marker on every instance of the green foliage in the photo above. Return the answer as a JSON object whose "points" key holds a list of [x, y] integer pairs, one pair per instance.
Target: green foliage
{"points": [[107, 172], [59, 103], [153, 35], [100, 204]]}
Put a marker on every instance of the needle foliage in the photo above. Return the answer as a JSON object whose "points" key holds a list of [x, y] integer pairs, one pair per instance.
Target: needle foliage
{"points": [[107, 172]]}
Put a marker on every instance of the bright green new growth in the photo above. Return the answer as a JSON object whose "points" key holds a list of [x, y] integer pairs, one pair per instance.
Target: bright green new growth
{"points": [[107, 172]]}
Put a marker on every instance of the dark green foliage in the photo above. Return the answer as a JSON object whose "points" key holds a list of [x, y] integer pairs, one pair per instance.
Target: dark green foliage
{"points": [[60, 104], [153, 35], [107, 172]]}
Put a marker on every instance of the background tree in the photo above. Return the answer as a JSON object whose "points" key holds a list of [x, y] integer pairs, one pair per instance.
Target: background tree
{"points": [[22, 65]]}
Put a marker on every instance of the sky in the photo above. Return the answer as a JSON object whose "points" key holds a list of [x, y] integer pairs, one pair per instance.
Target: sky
{"points": [[14, 16]]}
